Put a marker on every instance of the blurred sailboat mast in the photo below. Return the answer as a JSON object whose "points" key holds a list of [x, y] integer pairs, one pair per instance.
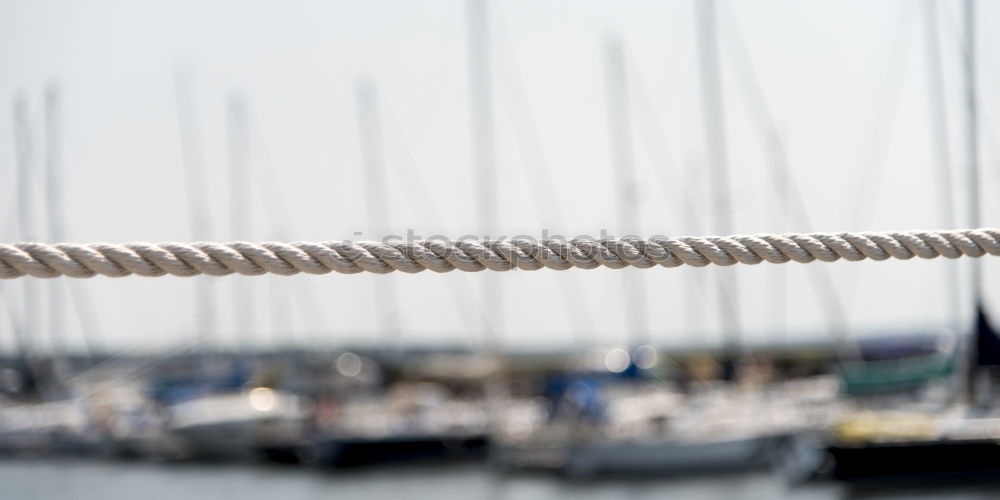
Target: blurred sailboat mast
{"points": [[484, 156], [715, 142], [941, 150], [778, 277], [244, 318], [54, 210], [377, 201], [55, 201], [544, 193], [971, 353], [972, 141], [490, 308], [28, 326], [197, 195], [623, 160]]}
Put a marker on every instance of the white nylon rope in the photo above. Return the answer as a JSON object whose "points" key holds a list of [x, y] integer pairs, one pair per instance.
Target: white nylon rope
{"points": [[219, 259]]}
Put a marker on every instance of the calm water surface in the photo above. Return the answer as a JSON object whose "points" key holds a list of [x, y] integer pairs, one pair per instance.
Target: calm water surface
{"points": [[83, 479]]}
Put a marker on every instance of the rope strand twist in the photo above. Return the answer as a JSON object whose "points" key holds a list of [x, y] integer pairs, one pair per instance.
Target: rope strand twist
{"points": [[42, 260]]}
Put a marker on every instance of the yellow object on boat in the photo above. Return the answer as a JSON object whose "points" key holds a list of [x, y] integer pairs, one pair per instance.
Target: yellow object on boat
{"points": [[870, 426]]}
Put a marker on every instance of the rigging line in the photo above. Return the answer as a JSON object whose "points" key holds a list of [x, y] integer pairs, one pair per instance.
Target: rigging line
{"points": [[824, 286], [972, 100], [714, 128], [378, 212], [418, 197], [983, 117], [196, 191], [938, 113], [783, 182], [278, 316], [24, 165], [13, 322], [18, 337], [878, 143], [483, 129], [138, 347], [86, 317], [653, 135], [543, 188], [276, 203], [240, 176], [185, 347], [938, 118], [9, 224], [627, 196], [192, 151]]}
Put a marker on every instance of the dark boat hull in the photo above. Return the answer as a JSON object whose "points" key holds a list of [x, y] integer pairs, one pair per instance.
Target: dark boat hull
{"points": [[907, 461], [358, 452]]}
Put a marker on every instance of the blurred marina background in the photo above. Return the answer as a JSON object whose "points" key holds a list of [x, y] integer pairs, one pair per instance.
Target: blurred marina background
{"points": [[312, 121]]}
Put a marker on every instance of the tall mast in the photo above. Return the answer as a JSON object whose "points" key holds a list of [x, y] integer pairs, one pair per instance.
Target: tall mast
{"points": [[623, 159], [715, 141], [55, 211], [376, 195], [23, 146], [942, 152], [197, 194], [580, 319], [972, 138], [55, 201], [778, 276], [484, 153], [972, 196], [244, 318]]}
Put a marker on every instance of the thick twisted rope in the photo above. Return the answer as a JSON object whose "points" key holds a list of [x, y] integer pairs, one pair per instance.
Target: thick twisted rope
{"points": [[219, 259]]}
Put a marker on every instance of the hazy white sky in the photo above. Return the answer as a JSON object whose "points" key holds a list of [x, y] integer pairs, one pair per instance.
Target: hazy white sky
{"points": [[846, 82]]}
